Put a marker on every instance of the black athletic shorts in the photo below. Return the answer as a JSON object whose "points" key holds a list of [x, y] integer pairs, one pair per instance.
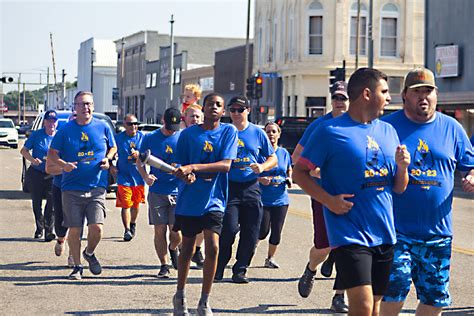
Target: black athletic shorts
{"points": [[190, 226], [358, 265]]}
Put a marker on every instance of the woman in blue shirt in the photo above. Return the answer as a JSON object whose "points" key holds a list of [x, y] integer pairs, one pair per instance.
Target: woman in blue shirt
{"points": [[39, 182], [274, 195]]}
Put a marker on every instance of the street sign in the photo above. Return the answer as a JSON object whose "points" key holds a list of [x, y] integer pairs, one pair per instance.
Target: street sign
{"points": [[447, 61]]}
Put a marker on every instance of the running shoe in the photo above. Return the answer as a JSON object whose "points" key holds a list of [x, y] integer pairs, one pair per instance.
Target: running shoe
{"points": [[94, 264], [305, 284], [59, 248], [179, 306], [164, 272], [76, 273], [271, 264], [338, 305]]}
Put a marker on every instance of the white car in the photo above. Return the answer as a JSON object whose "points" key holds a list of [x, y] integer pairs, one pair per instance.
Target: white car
{"points": [[8, 133], [147, 128]]}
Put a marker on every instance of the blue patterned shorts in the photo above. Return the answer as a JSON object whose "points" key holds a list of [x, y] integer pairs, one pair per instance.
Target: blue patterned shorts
{"points": [[427, 264]]}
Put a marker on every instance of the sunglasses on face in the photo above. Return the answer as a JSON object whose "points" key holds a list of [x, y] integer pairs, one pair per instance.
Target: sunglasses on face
{"points": [[131, 123], [339, 98], [240, 110]]}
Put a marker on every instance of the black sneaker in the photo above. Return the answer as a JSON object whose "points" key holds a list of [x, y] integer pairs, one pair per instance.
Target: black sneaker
{"points": [[164, 272], [76, 273], [38, 234], [338, 305], [218, 276], [305, 284], [133, 228], [49, 237], [327, 266], [94, 264], [127, 236], [240, 278], [174, 257], [198, 258]]}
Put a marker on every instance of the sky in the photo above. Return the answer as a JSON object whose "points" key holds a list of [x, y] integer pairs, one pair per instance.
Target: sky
{"points": [[25, 28]]}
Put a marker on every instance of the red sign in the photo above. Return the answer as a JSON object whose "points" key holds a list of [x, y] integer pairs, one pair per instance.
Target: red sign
{"points": [[3, 108]]}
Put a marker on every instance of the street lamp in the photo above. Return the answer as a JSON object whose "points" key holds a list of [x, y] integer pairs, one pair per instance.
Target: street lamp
{"points": [[92, 68]]}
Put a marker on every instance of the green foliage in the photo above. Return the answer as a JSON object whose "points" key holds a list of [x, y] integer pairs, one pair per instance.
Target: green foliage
{"points": [[32, 98]]}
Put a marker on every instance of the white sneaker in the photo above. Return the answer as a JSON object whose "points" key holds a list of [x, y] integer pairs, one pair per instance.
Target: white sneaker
{"points": [[59, 248]]}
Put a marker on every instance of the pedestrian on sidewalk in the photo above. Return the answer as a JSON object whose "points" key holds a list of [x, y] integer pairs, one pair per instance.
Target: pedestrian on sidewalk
{"points": [[423, 213], [39, 182], [275, 198], [131, 187], [83, 148], [320, 250], [163, 189], [362, 163], [205, 153], [244, 209]]}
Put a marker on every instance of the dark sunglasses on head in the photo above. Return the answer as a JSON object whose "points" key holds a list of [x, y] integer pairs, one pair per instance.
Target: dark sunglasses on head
{"points": [[131, 123], [339, 98], [240, 110]]}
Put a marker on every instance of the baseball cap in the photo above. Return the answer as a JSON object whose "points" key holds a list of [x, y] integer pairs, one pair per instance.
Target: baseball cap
{"points": [[339, 87], [420, 77], [239, 100], [172, 118], [51, 115]]}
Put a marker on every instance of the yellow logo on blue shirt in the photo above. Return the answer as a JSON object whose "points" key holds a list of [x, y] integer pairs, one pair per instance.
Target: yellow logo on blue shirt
{"points": [[84, 137], [169, 150], [376, 165], [133, 145], [208, 147]]}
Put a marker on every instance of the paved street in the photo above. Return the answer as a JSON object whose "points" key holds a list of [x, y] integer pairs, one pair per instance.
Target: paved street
{"points": [[33, 280]]}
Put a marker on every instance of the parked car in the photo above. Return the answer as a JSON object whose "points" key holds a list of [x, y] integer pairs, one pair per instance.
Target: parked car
{"points": [[63, 117], [147, 128], [24, 128], [292, 129], [8, 133]]}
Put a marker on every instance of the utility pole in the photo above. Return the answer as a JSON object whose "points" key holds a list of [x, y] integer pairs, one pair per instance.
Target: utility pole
{"points": [[19, 98], [64, 89], [122, 77], [371, 40], [92, 68], [24, 102], [171, 70], [47, 89], [357, 36], [247, 48]]}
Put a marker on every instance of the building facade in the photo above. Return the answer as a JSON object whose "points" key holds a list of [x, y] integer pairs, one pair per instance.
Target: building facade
{"points": [[449, 54], [302, 40], [97, 72]]}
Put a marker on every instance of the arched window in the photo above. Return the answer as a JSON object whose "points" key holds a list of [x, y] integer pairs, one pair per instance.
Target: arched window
{"points": [[363, 31], [315, 28], [389, 30]]}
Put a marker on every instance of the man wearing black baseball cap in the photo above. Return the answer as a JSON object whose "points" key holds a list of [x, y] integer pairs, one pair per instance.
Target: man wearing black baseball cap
{"points": [[244, 209]]}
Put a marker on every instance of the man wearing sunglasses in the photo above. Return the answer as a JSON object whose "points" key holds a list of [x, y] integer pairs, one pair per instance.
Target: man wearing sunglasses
{"points": [[131, 190], [244, 209], [321, 249]]}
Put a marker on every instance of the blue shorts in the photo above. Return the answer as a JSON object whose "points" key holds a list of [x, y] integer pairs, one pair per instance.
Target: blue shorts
{"points": [[427, 263]]}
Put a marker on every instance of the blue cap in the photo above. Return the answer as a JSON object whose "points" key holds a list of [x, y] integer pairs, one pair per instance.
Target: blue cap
{"points": [[51, 115]]}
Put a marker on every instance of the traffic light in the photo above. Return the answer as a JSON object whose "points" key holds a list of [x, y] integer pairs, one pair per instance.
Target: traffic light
{"points": [[7, 79], [338, 74], [250, 88], [258, 86]]}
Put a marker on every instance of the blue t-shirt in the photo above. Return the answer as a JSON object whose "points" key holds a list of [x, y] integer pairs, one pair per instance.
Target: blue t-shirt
{"points": [[437, 148], [310, 129], [357, 159], [87, 145], [163, 147], [128, 174], [253, 146], [199, 146], [276, 194], [39, 142], [472, 140]]}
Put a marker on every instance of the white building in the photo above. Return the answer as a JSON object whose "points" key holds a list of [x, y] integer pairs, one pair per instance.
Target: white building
{"points": [[97, 64], [302, 40]]}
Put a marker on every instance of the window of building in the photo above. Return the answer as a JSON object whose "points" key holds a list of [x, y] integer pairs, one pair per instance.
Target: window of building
{"points": [[153, 79], [148, 81], [177, 76], [389, 30], [315, 34], [362, 29]]}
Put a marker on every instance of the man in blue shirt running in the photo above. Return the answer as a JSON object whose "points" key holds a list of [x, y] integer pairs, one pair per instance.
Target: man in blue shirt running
{"points": [[83, 148], [423, 213], [244, 211], [205, 153], [361, 164]]}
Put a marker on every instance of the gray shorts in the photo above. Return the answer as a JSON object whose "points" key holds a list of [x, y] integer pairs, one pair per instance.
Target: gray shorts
{"points": [[78, 205], [161, 209]]}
